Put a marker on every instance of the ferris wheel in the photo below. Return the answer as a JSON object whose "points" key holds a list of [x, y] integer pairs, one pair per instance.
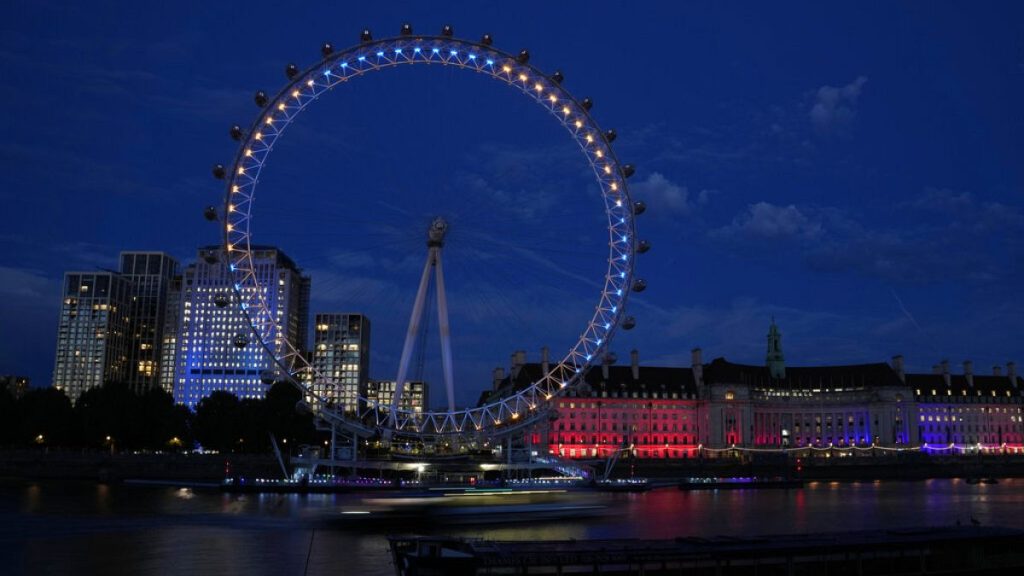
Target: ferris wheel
{"points": [[519, 405]]}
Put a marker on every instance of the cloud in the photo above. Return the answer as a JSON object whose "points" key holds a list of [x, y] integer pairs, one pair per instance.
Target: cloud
{"points": [[835, 108], [24, 284], [941, 234], [765, 221], [88, 254], [736, 329], [666, 197]]}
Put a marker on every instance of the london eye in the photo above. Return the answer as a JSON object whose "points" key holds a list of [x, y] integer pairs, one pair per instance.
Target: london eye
{"points": [[335, 70]]}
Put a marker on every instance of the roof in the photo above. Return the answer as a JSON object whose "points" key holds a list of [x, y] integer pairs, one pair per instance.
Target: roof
{"points": [[620, 380], [721, 371], [282, 259], [985, 384]]}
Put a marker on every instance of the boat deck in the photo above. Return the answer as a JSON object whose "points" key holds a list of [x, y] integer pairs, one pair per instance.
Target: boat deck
{"points": [[954, 550]]}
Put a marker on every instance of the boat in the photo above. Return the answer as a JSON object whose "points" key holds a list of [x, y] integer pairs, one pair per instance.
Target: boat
{"points": [[622, 485], [463, 507], [739, 483]]}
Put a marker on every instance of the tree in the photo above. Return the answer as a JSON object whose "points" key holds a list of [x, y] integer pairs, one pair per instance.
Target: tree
{"points": [[112, 415], [8, 418], [46, 417], [283, 418], [217, 423], [164, 421]]}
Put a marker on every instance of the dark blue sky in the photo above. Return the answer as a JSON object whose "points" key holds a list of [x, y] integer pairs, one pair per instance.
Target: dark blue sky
{"points": [[856, 173]]}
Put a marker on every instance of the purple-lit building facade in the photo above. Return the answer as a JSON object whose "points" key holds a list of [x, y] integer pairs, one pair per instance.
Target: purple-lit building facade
{"points": [[709, 408]]}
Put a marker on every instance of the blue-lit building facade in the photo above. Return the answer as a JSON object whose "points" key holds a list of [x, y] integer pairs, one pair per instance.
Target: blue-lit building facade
{"points": [[725, 408], [206, 357]]}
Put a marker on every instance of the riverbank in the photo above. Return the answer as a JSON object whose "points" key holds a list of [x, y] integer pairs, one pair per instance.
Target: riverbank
{"points": [[106, 467], [213, 468], [887, 467]]}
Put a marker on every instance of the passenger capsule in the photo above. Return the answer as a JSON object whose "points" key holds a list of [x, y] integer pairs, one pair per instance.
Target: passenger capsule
{"points": [[236, 132], [487, 40], [326, 49], [523, 57], [241, 340], [365, 35], [218, 171], [267, 377], [628, 170], [587, 104], [610, 136], [628, 323], [220, 300], [643, 246], [210, 213], [260, 98], [291, 71], [447, 30], [639, 285], [639, 208], [557, 77], [406, 30]]}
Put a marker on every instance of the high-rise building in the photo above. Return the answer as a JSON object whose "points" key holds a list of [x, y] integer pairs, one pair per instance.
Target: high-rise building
{"points": [[149, 275], [341, 356], [415, 395], [207, 358], [169, 337], [93, 334]]}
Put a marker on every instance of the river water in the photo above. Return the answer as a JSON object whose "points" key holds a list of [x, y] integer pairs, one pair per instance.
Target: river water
{"points": [[84, 528]]}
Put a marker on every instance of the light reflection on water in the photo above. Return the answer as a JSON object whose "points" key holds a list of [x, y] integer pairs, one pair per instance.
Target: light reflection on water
{"points": [[72, 528]]}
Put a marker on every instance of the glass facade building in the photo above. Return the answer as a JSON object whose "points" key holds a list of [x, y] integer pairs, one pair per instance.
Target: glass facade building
{"points": [[415, 395], [93, 334], [341, 355], [209, 320], [150, 275]]}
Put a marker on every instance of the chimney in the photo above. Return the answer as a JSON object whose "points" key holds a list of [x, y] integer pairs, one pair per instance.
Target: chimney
{"points": [[897, 365], [697, 365], [997, 370], [606, 362], [499, 375], [545, 363], [944, 365], [517, 360], [969, 372], [1011, 372], [634, 363]]}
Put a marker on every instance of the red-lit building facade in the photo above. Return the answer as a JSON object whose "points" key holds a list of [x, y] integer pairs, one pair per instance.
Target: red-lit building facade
{"points": [[668, 412]]}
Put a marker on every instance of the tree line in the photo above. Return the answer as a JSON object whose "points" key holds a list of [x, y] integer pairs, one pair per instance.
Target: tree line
{"points": [[113, 417]]}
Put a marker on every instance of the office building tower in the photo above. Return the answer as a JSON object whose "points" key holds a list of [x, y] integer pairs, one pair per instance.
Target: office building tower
{"points": [[93, 333], [341, 357], [169, 337], [207, 358], [149, 276], [415, 395]]}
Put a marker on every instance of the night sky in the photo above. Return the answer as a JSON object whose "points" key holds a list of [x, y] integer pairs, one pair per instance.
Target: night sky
{"points": [[855, 172]]}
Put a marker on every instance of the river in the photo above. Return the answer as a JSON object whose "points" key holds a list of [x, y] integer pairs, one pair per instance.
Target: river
{"points": [[86, 528]]}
